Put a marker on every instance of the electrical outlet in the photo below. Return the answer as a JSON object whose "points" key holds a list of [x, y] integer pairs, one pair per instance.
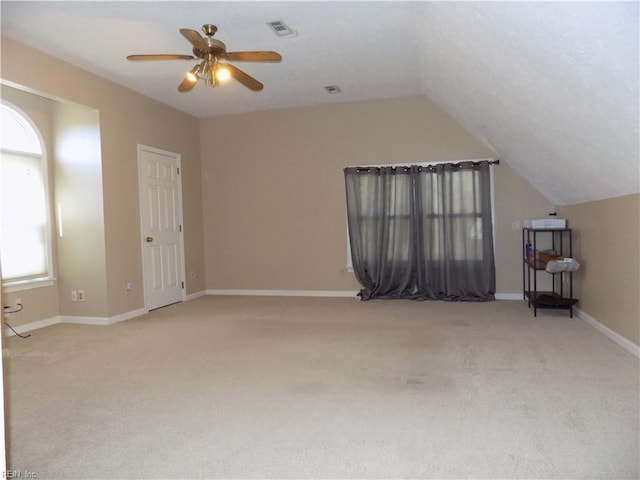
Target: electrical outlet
{"points": [[128, 286], [192, 275], [81, 295], [74, 295]]}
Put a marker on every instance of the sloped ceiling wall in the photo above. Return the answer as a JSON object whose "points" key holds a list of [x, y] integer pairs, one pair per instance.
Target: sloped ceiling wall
{"points": [[552, 87]]}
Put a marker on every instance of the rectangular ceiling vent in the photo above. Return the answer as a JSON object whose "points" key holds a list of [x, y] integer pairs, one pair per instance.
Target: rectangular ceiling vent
{"points": [[281, 29], [333, 89]]}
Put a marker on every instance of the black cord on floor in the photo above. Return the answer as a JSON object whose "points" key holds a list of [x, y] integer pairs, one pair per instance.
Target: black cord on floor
{"points": [[14, 331]]}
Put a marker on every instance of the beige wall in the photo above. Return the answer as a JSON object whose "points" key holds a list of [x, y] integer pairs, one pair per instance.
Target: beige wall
{"points": [[78, 194], [515, 200], [126, 119], [607, 243], [273, 189]]}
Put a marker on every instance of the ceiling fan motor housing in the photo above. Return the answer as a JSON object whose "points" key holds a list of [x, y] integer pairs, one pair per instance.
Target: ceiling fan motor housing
{"points": [[216, 47]]}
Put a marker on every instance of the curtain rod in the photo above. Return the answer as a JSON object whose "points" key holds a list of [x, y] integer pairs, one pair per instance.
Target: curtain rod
{"points": [[430, 166]]}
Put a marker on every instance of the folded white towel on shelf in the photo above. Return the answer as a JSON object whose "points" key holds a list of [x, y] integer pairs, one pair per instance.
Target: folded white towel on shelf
{"points": [[562, 265]]}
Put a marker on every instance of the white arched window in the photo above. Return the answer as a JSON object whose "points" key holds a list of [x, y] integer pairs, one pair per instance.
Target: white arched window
{"points": [[24, 230]]}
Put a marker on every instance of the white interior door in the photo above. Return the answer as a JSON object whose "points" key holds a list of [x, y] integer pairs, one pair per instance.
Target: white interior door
{"points": [[161, 226]]}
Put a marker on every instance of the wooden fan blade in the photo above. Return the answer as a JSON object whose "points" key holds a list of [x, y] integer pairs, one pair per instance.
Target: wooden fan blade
{"points": [[187, 83], [159, 56], [263, 56], [245, 79], [195, 39]]}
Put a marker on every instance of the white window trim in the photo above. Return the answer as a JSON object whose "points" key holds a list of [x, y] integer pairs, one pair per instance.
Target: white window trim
{"points": [[21, 284], [349, 266]]}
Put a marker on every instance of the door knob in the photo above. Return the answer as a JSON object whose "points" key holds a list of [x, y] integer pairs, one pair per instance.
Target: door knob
{"points": [[149, 239]]}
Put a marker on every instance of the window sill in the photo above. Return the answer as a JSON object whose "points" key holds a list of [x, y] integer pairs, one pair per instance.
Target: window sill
{"points": [[27, 285]]}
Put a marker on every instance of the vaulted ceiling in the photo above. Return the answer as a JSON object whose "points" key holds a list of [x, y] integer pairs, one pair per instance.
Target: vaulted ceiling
{"points": [[552, 87]]}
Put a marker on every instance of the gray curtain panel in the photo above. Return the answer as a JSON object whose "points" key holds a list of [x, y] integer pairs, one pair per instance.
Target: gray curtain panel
{"points": [[422, 233]]}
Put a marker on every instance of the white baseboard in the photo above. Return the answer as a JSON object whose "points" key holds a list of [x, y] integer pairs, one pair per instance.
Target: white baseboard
{"points": [[27, 327], [628, 345], [193, 296], [287, 293], [127, 316], [98, 321], [508, 296], [102, 321]]}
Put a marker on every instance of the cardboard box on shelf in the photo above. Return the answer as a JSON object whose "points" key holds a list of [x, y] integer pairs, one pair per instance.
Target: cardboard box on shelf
{"points": [[546, 257]]}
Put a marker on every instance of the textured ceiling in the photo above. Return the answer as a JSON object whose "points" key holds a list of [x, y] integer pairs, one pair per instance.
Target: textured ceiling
{"points": [[552, 87]]}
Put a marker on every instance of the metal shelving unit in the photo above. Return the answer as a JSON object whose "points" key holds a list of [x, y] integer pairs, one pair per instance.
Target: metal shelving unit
{"points": [[561, 295]]}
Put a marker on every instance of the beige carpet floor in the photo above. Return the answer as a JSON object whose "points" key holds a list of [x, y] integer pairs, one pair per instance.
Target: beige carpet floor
{"points": [[250, 387]]}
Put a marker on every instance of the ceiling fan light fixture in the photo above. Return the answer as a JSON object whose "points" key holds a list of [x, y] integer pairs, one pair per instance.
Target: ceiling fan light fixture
{"points": [[222, 72], [194, 73]]}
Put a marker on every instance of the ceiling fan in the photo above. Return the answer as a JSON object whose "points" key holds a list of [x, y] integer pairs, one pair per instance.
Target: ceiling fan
{"points": [[211, 68]]}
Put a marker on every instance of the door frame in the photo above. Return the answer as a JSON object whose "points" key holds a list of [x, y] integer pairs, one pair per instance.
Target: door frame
{"points": [[140, 148]]}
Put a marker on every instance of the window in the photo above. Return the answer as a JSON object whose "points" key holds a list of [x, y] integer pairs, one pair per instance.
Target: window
{"points": [[25, 235], [460, 199], [462, 207]]}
